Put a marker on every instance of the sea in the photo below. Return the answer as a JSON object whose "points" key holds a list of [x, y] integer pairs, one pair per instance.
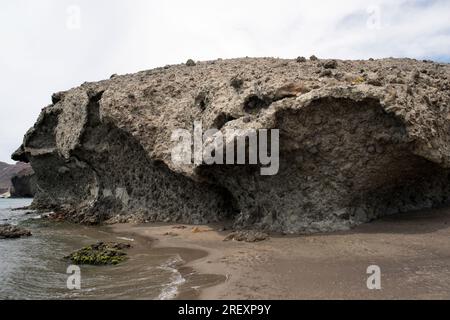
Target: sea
{"points": [[35, 267]]}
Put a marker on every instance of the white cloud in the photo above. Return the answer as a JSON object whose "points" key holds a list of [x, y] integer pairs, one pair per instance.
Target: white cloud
{"points": [[40, 55]]}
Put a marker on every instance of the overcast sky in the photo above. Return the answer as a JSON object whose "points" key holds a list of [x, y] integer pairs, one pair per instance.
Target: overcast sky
{"points": [[52, 45]]}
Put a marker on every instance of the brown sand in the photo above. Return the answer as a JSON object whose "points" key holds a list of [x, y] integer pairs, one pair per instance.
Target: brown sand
{"points": [[412, 250]]}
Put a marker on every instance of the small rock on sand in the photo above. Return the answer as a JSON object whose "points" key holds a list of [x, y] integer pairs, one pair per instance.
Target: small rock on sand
{"points": [[171, 234], [179, 227], [198, 230], [247, 236]]}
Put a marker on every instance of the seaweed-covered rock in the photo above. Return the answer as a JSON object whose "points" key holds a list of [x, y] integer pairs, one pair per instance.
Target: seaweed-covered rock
{"points": [[351, 149], [8, 231], [100, 254]]}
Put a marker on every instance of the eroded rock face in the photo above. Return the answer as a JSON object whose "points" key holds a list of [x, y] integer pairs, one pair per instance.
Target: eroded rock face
{"points": [[358, 140]]}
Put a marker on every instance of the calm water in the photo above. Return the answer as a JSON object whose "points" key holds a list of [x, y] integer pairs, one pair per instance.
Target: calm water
{"points": [[35, 268]]}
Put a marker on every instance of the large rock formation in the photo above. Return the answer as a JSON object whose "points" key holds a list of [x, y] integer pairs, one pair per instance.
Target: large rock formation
{"points": [[358, 140]]}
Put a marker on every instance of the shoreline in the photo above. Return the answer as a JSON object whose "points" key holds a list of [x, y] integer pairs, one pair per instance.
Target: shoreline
{"points": [[411, 249], [196, 256]]}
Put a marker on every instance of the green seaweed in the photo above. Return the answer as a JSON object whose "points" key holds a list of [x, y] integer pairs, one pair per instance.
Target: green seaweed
{"points": [[100, 254]]}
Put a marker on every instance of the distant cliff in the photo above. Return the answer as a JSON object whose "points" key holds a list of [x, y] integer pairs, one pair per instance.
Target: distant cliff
{"points": [[7, 172]]}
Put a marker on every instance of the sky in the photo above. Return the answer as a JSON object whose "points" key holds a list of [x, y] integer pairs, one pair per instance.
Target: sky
{"points": [[52, 45]]}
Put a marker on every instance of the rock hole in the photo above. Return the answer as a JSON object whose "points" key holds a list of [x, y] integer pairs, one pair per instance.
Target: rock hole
{"points": [[202, 101], [231, 204], [222, 119], [237, 83], [93, 108], [254, 103]]}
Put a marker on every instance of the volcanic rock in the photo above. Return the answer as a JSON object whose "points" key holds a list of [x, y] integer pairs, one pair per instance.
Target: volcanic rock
{"points": [[350, 151]]}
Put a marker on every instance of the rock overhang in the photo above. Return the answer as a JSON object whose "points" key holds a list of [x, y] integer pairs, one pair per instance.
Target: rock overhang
{"points": [[405, 114]]}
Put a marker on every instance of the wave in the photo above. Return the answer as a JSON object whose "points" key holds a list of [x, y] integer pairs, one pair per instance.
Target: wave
{"points": [[170, 290]]}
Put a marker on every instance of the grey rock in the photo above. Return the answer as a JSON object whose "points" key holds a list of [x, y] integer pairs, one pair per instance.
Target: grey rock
{"points": [[56, 97], [332, 64], [117, 150], [415, 75], [375, 82], [317, 119], [371, 149], [8, 231], [326, 73], [190, 63]]}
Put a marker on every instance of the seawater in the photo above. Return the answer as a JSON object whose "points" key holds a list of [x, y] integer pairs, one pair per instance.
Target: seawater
{"points": [[35, 268]]}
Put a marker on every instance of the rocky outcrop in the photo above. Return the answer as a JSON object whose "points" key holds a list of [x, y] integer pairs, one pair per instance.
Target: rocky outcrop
{"points": [[358, 140], [8, 231], [23, 184]]}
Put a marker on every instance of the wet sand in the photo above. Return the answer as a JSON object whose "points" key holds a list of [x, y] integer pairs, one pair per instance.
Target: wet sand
{"points": [[143, 256], [412, 250]]}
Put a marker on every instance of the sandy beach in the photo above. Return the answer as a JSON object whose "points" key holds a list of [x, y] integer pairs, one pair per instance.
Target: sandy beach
{"points": [[412, 251]]}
